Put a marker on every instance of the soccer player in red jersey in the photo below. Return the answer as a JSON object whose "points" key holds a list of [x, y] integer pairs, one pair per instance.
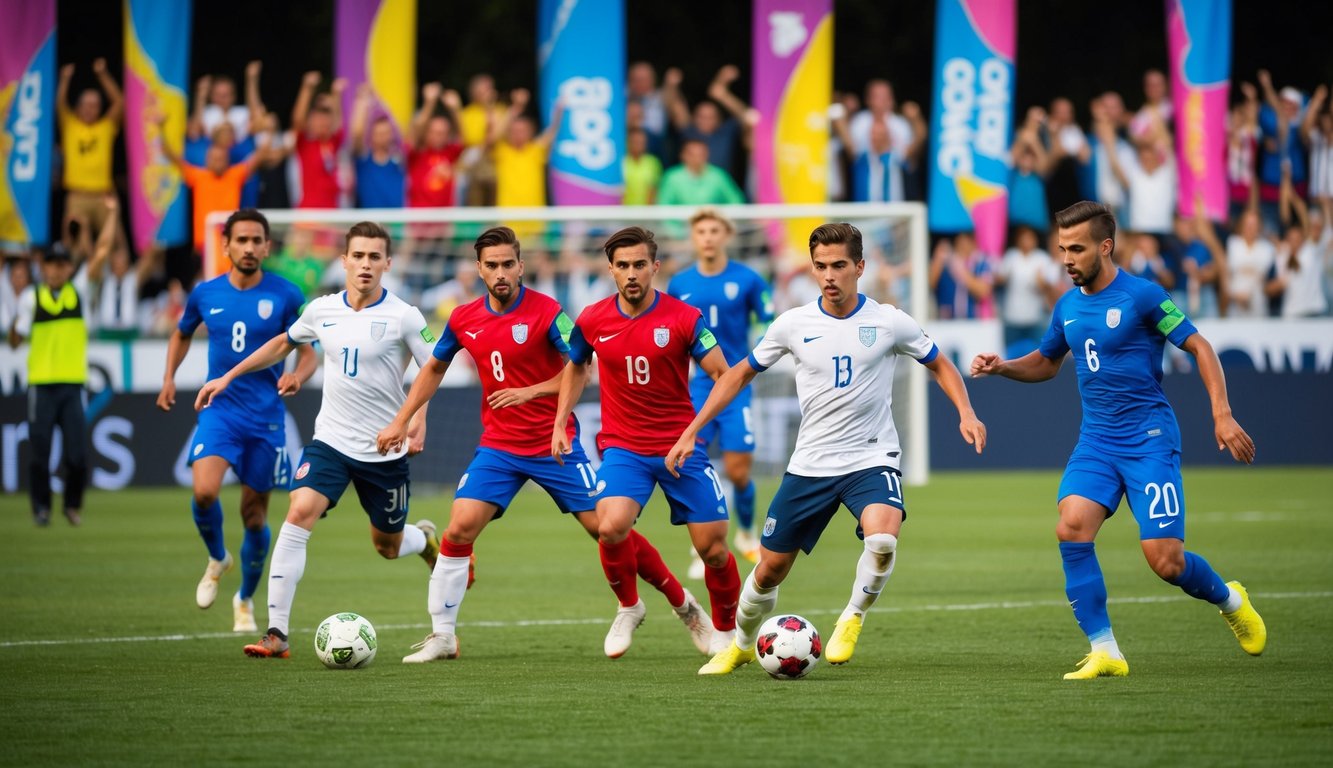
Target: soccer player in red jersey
{"points": [[644, 340], [518, 338]]}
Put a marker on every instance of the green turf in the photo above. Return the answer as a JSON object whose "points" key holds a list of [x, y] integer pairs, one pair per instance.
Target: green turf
{"points": [[960, 664]]}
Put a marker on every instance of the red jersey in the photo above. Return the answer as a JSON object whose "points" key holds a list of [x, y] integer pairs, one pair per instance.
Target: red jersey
{"points": [[430, 176], [643, 365], [319, 170], [522, 347]]}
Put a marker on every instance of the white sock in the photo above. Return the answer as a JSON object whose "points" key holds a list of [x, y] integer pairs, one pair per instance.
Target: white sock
{"points": [[1233, 601], [755, 604], [414, 541], [284, 572], [872, 573], [1108, 644], [448, 586]]}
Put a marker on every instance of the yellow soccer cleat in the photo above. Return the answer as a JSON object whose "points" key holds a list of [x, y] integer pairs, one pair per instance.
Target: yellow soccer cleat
{"points": [[1247, 623], [1099, 664], [727, 661], [843, 642]]}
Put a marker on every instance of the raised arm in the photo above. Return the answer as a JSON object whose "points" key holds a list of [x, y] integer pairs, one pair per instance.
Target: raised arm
{"points": [[678, 111], [115, 99], [518, 101], [336, 103], [62, 92], [1228, 433], [194, 128], [547, 137], [725, 389], [1106, 135], [720, 91], [1312, 111], [951, 381], [360, 113], [253, 102], [274, 351], [1032, 367], [301, 109], [430, 93]]}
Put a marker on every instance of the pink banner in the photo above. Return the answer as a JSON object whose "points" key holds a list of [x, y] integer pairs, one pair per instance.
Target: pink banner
{"points": [[1199, 46]]}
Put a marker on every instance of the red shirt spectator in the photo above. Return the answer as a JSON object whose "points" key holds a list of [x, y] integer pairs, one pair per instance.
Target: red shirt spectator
{"points": [[430, 176]]}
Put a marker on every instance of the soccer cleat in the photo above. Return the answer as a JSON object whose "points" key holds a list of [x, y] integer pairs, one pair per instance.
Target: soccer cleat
{"points": [[843, 642], [721, 640], [1246, 623], [1099, 664], [621, 634], [41, 517], [697, 567], [432, 551], [727, 660], [207, 591], [747, 545], [436, 646], [697, 622], [471, 570], [243, 614], [271, 646], [75, 519]]}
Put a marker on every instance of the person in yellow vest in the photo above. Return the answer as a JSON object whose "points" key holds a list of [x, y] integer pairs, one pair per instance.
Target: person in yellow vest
{"points": [[87, 138], [51, 318]]}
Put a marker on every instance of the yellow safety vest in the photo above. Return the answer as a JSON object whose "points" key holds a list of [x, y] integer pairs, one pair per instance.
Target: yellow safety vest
{"points": [[58, 347]]}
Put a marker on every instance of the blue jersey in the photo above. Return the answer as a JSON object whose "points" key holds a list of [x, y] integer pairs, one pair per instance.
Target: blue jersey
{"points": [[727, 301], [239, 322], [1117, 336]]}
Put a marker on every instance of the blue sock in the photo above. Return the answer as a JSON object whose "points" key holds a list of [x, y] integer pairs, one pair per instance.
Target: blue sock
{"points": [[254, 551], [745, 505], [209, 523], [1086, 589], [1199, 580]]}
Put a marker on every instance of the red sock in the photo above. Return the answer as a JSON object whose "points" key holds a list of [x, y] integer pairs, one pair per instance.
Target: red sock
{"points": [[450, 549], [656, 572], [618, 565], [724, 592]]}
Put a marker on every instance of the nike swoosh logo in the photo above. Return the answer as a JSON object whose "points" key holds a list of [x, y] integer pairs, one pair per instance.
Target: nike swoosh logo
{"points": [[868, 592], [451, 605], [603, 339], [215, 310], [685, 296], [809, 339], [1075, 320], [474, 334], [1168, 522], [326, 325], [396, 520]]}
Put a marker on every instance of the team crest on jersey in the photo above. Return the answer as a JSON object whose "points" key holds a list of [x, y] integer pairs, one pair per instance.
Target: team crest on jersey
{"points": [[732, 290], [377, 329], [520, 333], [769, 525], [661, 336], [867, 334], [265, 309], [1113, 317], [303, 470]]}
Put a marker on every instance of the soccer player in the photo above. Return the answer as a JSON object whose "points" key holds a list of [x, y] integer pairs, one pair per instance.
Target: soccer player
{"points": [[246, 428], [361, 392], [728, 294], [1129, 443], [518, 338], [845, 347], [644, 340]]}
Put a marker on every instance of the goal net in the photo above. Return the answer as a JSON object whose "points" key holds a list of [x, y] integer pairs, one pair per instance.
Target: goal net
{"points": [[434, 267]]}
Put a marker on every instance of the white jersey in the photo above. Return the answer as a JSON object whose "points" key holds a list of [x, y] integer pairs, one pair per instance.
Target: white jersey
{"points": [[844, 382], [364, 360]]}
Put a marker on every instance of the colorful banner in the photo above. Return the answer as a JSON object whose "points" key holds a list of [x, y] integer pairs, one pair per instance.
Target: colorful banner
{"points": [[1198, 41], [157, 71], [376, 43], [792, 89], [972, 119], [27, 112], [581, 62]]}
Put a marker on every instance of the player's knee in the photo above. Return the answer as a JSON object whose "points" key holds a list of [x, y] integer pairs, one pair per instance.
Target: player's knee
{"points": [[459, 536], [205, 498], [882, 546], [609, 533], [1070, 530], [715, 554], [387, 549]]}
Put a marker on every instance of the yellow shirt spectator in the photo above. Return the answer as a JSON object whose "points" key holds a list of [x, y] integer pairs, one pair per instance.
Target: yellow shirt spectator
{"points": [[87, 151], [472, 119], [520, 174]]}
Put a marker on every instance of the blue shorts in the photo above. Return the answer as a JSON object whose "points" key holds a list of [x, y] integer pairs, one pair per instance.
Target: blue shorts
{"points": [[1151, 482], [803, 506], [494, 477], [382, 486], [733, 423], [259, 456], [695, 497]]}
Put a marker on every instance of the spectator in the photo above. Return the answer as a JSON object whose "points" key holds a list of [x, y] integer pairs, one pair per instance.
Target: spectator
{"points": [[1152, 123], [439, 302], [877, 174], [696, 181], [906, 139], [1298, 279], [1150, 178], [1144, 259], [1242, 151], [17, 278], [1107, 117], [1317, 131], [317, 124], [521, 154], [112, 281], [706, 123], [642, 94], [840, 157], [1194, 256], [215, 187], [1027, 176], [432, 151], [1249, 258], [1282, 154], [295, 261], [1069, 174], [962, 279], [380, 178], [476, 122], [634, 121], [219, 105], [88, 136], [642, 170], [273, 145], [196, 153], [1022, 273]]}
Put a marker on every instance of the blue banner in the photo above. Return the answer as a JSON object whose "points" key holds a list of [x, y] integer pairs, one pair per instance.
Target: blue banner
{"points": [[581, 62], [27, 112]]}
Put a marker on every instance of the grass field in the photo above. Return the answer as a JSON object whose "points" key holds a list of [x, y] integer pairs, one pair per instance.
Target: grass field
{"points": [[106, 660]]}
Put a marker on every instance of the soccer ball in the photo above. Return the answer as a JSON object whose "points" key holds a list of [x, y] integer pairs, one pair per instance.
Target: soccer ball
{"points": [[788, 647], [345, 641]]}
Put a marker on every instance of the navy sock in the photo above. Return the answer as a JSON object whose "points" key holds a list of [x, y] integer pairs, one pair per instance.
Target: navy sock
{"points": [[254, 551], [745, 505], [1199, 580], [209, 523], [1086, 589]]}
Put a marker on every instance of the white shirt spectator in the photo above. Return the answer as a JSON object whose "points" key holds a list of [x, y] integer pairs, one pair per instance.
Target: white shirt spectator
{"points": [[1109, 190], [238, 116], [1023, 273], [1248, 265], [1152, 197], [1304, 294]]}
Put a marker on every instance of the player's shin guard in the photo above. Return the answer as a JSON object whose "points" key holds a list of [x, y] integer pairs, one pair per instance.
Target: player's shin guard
{"points": [[724, 592], [618, 563], [448, 586], [285, 573], [872, 573], [1199, 580], [209, 522], [755, 604], [254, 551], [414, 541], [1086, 590], [654, 570], [745, 506]]}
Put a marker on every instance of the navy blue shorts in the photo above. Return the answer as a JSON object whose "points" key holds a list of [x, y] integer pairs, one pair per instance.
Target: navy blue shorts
{"points": [[694, 497], [257, 454], [732, 426], [382, 486], [803, 506], [1151, 482], [494, 477]]}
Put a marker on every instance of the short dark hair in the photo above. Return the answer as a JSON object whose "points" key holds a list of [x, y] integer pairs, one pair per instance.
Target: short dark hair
{"points": [[628, 238], [368, 229], [245, 214], [497, 236], [839, 233], [1101, 221]]}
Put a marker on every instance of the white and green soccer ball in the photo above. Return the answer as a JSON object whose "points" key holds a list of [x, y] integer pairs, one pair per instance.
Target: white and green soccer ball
{"points": [[345, 641]]}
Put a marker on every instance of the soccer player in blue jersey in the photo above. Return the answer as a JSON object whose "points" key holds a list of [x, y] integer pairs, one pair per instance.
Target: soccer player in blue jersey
{"points": [[246, 432], [730, 295], [1116, 325]]}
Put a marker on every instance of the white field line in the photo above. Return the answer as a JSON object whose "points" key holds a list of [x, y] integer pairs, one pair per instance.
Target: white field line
{"points": [[992, 606]]}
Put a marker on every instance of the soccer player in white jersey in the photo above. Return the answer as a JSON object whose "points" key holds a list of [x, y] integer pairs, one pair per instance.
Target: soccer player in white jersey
{"points": [[366, 333], [845, 347]]}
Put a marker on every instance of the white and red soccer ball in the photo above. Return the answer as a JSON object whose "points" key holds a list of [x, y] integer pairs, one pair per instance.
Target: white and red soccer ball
{"points": [[788, 647]]}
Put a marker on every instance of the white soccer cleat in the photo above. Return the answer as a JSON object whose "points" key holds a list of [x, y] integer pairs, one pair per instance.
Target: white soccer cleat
{"points": [[721, 641], [622, 629], [207, 591], [436, 646], [243, 614], [697, 622], [746, 544], [696, 570]]}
